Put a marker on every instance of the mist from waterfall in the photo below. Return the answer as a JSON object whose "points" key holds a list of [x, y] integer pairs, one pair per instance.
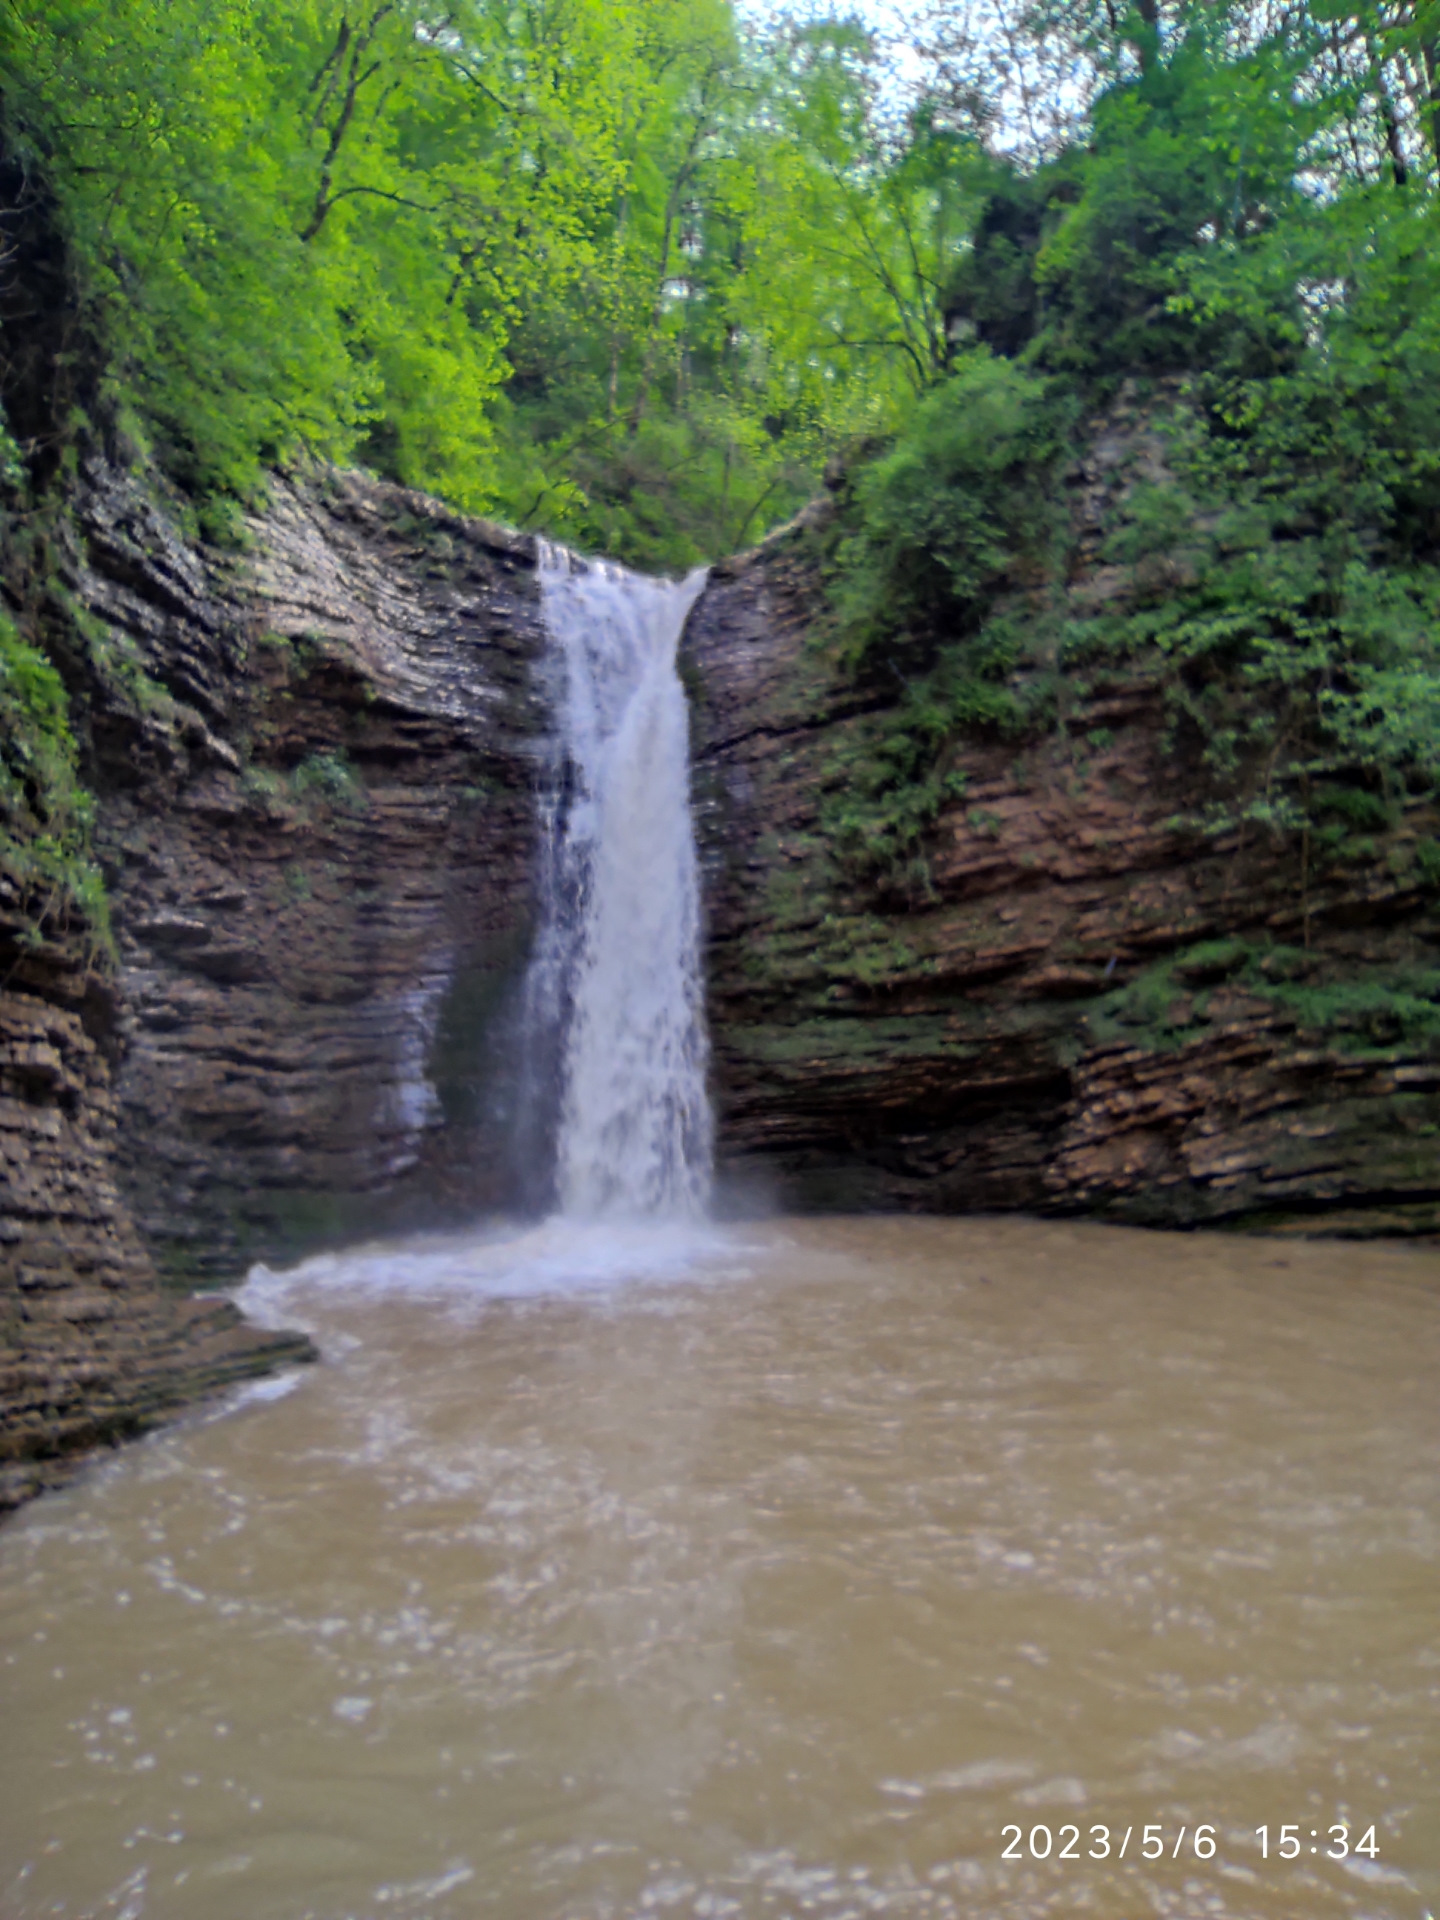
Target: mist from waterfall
{"points": [[616, 976]]}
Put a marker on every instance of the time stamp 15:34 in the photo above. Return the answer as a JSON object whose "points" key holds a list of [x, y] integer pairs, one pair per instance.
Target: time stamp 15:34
{"points": [[1286, 1842]]}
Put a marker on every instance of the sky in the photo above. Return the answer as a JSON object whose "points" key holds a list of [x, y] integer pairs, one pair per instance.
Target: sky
{"points": [[888, 20]]}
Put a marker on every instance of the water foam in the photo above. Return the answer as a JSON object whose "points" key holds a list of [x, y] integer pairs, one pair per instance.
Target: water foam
{"points": [[557, 1257]]}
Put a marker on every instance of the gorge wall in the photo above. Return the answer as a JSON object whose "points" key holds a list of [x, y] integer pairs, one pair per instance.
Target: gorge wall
{"points": [[314, 756], [1076, 1004], [92, 1349], [323, 902], [312, 759]]}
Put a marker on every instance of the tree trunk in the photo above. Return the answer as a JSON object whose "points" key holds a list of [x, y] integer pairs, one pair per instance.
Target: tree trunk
{"points": [[1147, 44]]}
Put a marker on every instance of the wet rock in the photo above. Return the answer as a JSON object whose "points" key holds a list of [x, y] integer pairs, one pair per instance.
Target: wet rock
{"points": [[92, 1349], [322, 894], [1077, 1006], [316, 820]]}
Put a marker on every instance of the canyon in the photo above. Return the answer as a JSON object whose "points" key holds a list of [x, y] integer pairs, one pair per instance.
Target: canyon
{"points": [[317, 757]]}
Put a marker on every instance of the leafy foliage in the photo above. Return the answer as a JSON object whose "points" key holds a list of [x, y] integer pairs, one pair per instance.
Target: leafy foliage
{"points": [[957, 509], [607, 267], [45, 814], [1175, 1000], [330, 779], [634, 271], [1283, 560]]}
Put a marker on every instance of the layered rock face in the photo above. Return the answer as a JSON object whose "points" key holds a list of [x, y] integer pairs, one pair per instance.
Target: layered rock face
{"points": [[92, 1349], [322, 901], [1078, 1005], [314, 766], [315, 759]]}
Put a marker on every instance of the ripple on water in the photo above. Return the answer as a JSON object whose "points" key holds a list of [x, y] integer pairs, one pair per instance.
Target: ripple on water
{"points": [[756, 1572]]}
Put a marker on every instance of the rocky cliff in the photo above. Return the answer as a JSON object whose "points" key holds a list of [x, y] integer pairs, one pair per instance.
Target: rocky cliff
{"points": [[1070, 1000], [314, 755], [323, 903], [312, 758], [92, 1349]]}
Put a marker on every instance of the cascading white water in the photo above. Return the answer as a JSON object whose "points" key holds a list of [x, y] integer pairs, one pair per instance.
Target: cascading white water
{"points": [[618, 962]]}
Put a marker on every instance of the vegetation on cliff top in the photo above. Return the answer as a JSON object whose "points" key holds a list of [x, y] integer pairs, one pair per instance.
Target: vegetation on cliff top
{"points": [[622, 269], [1232, 275], [634, 271]]}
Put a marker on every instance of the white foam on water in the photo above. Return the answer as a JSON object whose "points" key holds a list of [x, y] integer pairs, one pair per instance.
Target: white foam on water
{"points": [[556, 1258], [275, 1386], [982, 1776], [457, 1875]]}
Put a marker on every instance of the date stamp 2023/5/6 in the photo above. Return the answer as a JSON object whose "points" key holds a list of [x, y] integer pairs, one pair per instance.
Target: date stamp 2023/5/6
{"points": [[1292, 1840]]}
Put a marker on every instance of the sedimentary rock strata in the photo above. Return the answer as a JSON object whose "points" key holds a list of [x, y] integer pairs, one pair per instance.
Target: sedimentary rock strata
{"points": [[1077, 1003], [92, 1349], [323, 903], [313, 763]]}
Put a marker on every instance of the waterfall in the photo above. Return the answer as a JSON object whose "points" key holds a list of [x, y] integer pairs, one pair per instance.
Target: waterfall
{"points": [[616, 974]]}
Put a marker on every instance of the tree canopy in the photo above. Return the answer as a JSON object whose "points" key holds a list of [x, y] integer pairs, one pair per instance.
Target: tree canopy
{"points": [[635, 272], [613, 267], [631, 270]]}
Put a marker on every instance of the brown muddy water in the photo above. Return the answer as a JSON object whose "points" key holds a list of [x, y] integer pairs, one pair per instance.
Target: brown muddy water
{"points": [[831, 1569]]}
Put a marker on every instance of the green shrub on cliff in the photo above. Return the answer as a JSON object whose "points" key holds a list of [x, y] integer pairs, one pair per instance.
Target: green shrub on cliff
{"points": [[1175, 1000], [45, 814], [331, 779], [960, 513], [1238, 266], [960, 507], [1292, 604], [1289, 658]]}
